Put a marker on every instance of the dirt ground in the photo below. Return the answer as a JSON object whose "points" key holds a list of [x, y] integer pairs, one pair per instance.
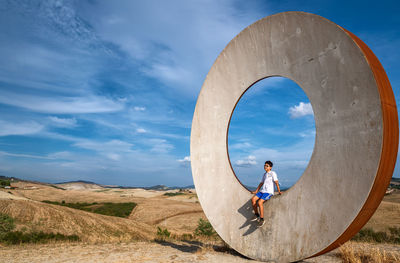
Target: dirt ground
{"points": [[149, 252], [112, 239]]}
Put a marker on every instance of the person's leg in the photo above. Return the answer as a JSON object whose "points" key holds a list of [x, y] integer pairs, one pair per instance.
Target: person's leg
{"points": [[261, 205], [254, 203]]}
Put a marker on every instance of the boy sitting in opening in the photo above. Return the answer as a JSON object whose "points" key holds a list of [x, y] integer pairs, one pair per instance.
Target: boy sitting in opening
{"points": [[266, 192]]}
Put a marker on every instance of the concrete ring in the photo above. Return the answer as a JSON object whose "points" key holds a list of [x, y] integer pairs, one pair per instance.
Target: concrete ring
{"points": [[355, 146]]}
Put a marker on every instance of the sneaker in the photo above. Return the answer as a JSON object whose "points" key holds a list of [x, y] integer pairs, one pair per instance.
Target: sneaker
{"points": [[255, 218], [261, 222]]}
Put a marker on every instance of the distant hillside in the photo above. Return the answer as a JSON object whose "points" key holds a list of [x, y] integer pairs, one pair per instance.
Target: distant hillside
{"points": [[395, 181], [155, 187], [2, 177], [88, 226], [78, 181], [78, 185], [163, 187]]}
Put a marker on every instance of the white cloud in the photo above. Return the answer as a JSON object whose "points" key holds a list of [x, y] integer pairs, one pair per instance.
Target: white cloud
{"points": [[289, 157], [308, 133], [112, 150], [186, 159], [241, 146], [22, 128], [63, 122], [61, 105], [169, 73], [135, 168], [303, 109], [61, 155], [76, 59], [200, 31], [65, 56], [140, 130], [137, 108], [248, 161], [185, 162], [110, 146], [114, 156], [160, 146], [260, 86], [30, 156]]}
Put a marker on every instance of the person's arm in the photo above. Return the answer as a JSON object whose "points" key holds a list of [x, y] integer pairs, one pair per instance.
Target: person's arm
{"points": [[258, 188], [277, 187]]}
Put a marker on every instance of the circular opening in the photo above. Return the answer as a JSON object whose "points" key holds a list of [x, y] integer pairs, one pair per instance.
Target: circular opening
{"points": [[273, 120]]}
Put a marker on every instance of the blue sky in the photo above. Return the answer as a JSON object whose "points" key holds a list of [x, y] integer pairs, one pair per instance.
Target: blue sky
{"points": [[105, 90]]}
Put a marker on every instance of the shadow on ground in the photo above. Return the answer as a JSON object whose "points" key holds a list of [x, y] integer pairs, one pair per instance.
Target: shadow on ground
{"points": [[185, 246], [193, 246]]}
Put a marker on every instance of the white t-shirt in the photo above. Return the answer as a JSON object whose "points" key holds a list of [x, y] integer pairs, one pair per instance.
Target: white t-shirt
{"points": [[268, 180]]}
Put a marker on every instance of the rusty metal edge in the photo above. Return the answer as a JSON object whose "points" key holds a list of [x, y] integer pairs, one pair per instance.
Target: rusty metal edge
{"points": [[389, 147]]}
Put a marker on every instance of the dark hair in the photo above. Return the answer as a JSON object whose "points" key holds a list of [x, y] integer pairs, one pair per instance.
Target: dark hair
{"points": [[269, 163]]}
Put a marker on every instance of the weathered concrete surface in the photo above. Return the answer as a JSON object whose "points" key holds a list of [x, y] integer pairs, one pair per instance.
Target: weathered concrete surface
{"points": [[355, 147]]}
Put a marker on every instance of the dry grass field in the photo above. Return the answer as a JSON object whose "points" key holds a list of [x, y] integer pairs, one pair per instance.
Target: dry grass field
{"points": [[114, 239], [387, 215]]}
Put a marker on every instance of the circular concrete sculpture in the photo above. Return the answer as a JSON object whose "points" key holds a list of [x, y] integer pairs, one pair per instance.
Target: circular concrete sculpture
{"points": [[355, 146]]}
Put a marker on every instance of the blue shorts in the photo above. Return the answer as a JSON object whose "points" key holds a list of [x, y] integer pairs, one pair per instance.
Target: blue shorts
{"points": [[264, 196]]}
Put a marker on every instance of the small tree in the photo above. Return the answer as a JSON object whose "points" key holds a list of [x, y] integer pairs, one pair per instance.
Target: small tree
{"points": [[204, 228], [162, 234], [6, 224], [5, 183]]}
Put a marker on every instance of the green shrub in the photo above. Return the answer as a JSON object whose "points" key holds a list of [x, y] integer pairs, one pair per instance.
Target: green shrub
{"points": [[18, 237], [395, 234], [395, 186], [162, 234], [204, 228], [57, 187], [173, 194], [6, 224], [115, 209], [109, 209], [6, 182]]}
